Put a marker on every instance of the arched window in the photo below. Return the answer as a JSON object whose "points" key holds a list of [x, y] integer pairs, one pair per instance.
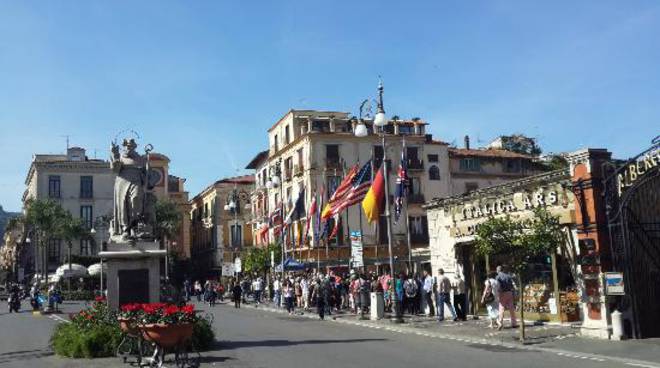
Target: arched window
{"points": [[434, 173]]}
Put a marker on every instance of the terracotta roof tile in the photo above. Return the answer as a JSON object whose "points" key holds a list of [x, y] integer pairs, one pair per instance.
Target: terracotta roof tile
{"points": [[462, 152]]}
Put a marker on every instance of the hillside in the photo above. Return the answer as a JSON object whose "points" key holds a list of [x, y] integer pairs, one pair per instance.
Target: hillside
{"points": [[4, 218]]}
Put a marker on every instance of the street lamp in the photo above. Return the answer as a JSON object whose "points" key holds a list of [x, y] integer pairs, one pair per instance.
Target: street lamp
{"points": [[380, 120], [275, 182]]}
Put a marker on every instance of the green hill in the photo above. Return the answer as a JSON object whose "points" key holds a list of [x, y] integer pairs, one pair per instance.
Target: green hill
{"points": [[4, 218]]}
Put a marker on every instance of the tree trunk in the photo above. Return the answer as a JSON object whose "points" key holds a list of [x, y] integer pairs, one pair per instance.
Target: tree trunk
{"points": [[69, 256], [522, 310]]}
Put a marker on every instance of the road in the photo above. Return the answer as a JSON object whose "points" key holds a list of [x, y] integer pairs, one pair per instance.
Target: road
{"points": [[255, 338]]}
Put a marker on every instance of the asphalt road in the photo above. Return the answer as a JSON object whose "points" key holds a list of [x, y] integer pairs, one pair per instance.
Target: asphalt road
{"points": [[251, 337]]}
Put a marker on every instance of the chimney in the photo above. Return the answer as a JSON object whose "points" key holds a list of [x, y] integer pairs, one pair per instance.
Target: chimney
{"points": [[467, 142]]}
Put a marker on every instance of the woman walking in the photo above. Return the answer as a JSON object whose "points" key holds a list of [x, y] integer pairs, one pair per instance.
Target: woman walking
{"points": [[288, 296], [236, 294], [491, 300]]}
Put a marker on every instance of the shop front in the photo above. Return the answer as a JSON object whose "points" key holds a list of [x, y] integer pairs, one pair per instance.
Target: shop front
{"points": [[552, 285]]}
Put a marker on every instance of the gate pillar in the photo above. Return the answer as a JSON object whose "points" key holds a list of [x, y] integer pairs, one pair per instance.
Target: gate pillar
{"points": [[593, 237]]}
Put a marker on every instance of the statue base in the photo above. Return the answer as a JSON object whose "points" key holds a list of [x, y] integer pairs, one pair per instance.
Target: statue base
{"points": [[133, 274]]}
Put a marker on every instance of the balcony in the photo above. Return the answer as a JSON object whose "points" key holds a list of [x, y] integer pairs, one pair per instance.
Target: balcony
{"points": [[298, 170], [416, 198], [333, 163], [287, 174], [415, 164]]}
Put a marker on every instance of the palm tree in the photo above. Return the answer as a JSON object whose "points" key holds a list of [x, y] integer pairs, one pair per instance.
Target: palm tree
{"points": [[72, 228], [167, 225], [44, 218]]}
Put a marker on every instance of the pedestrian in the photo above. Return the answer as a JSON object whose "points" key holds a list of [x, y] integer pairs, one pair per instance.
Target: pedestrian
{"points": [[491, 300], [187, 289], [427, 289], [385, 283], [288, 293], [277, 290], [212, 295], [398, 290], [220, 290], [198, 290], [443, 298], [304, 286], [317, 295], [410, 290], [245, 288], [256, 289], [236, 291], [459, 297], [506, 290], [297, 288]]}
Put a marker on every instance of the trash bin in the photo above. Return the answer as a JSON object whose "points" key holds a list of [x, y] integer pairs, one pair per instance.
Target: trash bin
{"points": [[377, 306]]}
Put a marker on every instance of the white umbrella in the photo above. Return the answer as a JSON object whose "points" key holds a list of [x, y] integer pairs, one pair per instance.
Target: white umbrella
{"points": [[76, 270], [54, 278], [95, 269]]}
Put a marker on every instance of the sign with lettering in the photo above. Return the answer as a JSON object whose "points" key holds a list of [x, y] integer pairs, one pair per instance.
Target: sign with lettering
{"points": [[357, 249], [614, 283], [637, 169]]}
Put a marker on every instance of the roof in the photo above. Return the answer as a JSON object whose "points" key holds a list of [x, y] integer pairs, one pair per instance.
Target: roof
{"points": [[257, 160], [310, 112], [434, 141], [244, 179], [462, 152]]}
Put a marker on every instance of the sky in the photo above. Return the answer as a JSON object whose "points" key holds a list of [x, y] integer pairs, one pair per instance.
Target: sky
{"points": [[204, 80]]}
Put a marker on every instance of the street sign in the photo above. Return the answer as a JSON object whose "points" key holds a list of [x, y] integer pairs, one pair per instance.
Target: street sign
{"points": [[614, 283], [237, 264], [227, 269], [357, 255]]}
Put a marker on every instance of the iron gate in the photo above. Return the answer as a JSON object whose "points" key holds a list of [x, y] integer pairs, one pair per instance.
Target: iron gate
{"points": [[632, 198]]}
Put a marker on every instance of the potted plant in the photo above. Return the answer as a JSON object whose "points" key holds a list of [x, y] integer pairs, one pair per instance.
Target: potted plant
{"points": [[167, 325], [128, 317]]}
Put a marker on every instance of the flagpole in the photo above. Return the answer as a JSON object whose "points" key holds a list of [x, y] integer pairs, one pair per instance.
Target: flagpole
{"points": [[407, 216], [375, 225], [348, 226]]}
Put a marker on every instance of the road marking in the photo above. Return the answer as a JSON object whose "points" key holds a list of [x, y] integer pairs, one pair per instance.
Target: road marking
{"points": [[641, 365], [58, 318]]}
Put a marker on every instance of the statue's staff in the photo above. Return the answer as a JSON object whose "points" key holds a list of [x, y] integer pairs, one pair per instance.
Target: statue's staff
{"points": [[147, 149]]}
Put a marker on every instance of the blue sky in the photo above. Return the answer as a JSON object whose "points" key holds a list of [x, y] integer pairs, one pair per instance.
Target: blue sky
{"points": [[204, 80]]}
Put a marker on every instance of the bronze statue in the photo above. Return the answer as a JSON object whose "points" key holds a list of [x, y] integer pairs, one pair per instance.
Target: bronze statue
{"points": [[133, 200]]}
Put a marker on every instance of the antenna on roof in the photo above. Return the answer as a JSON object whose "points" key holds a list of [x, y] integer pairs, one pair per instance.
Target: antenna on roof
{"points": [[67, 140]]}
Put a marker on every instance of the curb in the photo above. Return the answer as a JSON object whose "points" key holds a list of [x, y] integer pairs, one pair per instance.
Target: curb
{"points": [[481, 341]]}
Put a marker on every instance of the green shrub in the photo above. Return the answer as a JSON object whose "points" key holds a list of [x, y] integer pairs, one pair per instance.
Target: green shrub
{"points": [[72, 341], [78, 295], [203, 335]]}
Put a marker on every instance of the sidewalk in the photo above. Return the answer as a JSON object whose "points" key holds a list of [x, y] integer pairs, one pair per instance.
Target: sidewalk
{"points": [[562, 339]]}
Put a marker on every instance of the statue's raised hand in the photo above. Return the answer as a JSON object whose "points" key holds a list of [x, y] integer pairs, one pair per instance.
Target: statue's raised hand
{"points": [[115, 150]]}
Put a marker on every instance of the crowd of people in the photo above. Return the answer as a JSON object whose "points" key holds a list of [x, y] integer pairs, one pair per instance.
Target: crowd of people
{"points": [[334, 292]]}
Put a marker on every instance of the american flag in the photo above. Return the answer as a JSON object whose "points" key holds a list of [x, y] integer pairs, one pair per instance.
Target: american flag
{"points": [[355, 192], [402, 183], [339, 193]]}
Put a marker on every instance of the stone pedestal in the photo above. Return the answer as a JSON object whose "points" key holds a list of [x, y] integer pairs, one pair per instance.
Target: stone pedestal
{"points": [[377, 306], [133, 274]]}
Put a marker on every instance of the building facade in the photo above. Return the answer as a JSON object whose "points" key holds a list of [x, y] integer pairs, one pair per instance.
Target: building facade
{"points": [[85, 188], [313, 149], [220, 224]]}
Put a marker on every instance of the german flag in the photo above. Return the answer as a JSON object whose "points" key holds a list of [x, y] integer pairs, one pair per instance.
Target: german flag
{"points": [[373, 203]]}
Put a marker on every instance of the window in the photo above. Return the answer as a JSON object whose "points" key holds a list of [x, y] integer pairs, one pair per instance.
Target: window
{"points": [[320, 126], [275, 143], [413, 158], [406, 129], [54, 186], [86, 247], [434, 173], [54, 248], [236, 235], [470, 164], [287, 135], [332, 155], [512, 166], [418, 227], [433, 158], [471, 187], [86, 215], [414, 186], [288, 168], [378, 156], [86, 187], [289, 200]]}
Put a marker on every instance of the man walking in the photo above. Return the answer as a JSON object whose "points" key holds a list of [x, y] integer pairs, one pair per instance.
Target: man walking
{"points": [[256, 288], [507, 287], [427, 291], [277, 290], [444, 287], [459, 297]]}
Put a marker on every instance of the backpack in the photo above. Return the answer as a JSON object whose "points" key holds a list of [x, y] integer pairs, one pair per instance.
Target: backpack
{"points": [[410, 288]]}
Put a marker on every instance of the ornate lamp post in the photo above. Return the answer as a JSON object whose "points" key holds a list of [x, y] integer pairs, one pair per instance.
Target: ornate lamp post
{"points": [[276, 182], [380, 120]]}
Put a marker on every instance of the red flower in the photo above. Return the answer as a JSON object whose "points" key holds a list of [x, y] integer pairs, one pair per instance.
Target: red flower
{"points": [[99, 299], [170, 310], [188, 309]]}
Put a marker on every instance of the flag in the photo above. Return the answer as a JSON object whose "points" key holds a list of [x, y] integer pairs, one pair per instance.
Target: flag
{"points": [[373, 202], [310, 216], [317, 228], [275, 217], [401, 184], [298, 210], [335, 230], [358, 189], [343, 188]]}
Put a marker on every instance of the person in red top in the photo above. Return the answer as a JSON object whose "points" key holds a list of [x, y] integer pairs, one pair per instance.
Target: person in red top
{"points": [[384, 281], [221, 291]]}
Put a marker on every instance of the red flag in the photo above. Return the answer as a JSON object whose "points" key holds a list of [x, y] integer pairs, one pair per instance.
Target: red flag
{"points": [[310, 216], [335, 230]]}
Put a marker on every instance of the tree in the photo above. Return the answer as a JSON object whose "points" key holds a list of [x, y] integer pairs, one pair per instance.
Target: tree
{"points": [[556, 162], [44, 218], [168, 220], [72, 228], [255, 260], [520, 241]]}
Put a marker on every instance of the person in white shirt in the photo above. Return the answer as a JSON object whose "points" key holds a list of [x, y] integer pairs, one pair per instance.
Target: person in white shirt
{"points": [[304, 284], [277, 289], [256, 288], [459, 297], [427, 291]]}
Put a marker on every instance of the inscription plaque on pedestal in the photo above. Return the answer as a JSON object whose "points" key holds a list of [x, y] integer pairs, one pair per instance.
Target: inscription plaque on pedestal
{"points": [[133, 286]]}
